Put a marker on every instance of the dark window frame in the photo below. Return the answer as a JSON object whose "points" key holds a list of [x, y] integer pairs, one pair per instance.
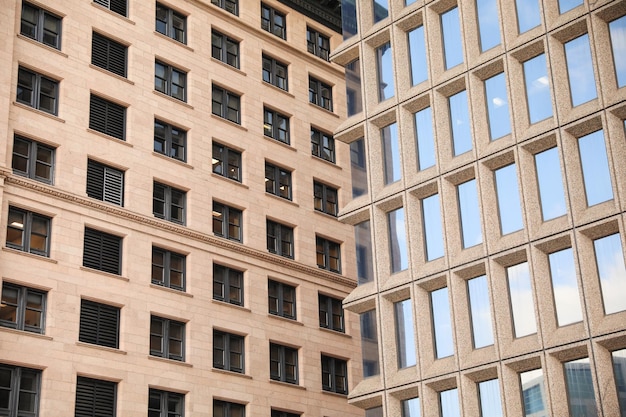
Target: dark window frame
{"points": [[227, 408], [105, 183], [166, 338], [99, 324], [90, 391], [98, 249], [334, 374], [281, 299], [280, 239], [225, 351], [26, 231], [279, 364], [224, 48], [272, 121], [278, 181], [227, 219], [116, 6], [228, 103], [271, 19], [325, 198], [317, 43], [166, 268], [222, 162], [17, 377], [168, 26], [22, 306], [34, 90], [331, 313], [173, 140], [166, 400], [107, 117], [278, 413], [231, 6], [38, 27], [228, 284], [322, 145], [320, 93], [31, 159], [275, 72], [324, 249], [167, 203], [166, 84], [108, 54]]}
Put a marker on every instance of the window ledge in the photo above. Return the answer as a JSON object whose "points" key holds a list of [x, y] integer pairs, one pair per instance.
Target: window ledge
{"points": [[229, 66], [43, 113], [286, 92], [230, 122], [25, 333], [281, 143], [106, 274], [119, 77], [104, 135], [336, 332], [282, 199], [184, 45], [321, 213], [227, 304], [335, 394], [225, 372], [332, 164], [288, 320], [288, 384], [240, 184], [323, 109], [30, 255], [170, 361], [112, 13], [175, 100], [49, 48], [176, 161], [104, 348], [172, 290]]}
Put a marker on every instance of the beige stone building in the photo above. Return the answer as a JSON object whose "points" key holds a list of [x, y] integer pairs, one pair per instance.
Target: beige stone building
{"points": [[489, 179], [169, 190]]}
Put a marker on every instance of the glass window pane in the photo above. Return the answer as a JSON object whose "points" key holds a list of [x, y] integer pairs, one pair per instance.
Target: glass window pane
{"points": [[619, 369], [460, 123], [358, 167], [354, 100], [537, 89], [567, 5], [397, 240], [385, 72], [471, 230], [580, 392], [364, 261], [433, 228], [425, 139], [565, 287], [411, 407], [381, 10], [582, 83], [449, 401], [595, 166], [509, 205], [489, 393], [528, 14], [522, 300], [452, 42], [497, 106], [480, 310], [417, 55], [369, 343], [612, 272], [405, 336], [442, 324], [349, 21], [550, 184], [391, 153], [533, 393], [488, 24], [617, 30]]}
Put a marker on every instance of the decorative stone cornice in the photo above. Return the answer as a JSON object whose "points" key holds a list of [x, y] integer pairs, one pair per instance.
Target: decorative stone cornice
{"points": [[173, 228], [326, 12]]}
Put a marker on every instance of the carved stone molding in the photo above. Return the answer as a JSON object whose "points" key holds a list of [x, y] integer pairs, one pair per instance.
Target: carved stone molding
{"points": [[326, 12]]}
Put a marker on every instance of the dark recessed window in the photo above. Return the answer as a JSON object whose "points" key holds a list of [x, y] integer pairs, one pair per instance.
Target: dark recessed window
{"points": [[283, 363], [334, 375], [281, 299], [227, 221], [228, 351], [168, 269], [277, 413], [331, 313], [280, 239], [108, 54], [227, 285], [167, 338], [168, 203], [105, 183], [322, 145], [170, 23], [170, 140], [107, 117], [170, 80], [33, 160], [22, 308], [328, 254], [277, 181], [40, 25], [275, 72], [317, 44], [273, 21], [37, 91], [225, 49], [231, 6], [95, 397], [102, 251], [226, 162], [276, 125], [28, 232], [165, 403], [320, 94], [228, 409], [325, 198], [116, 6], [226, 104], [99, 324]]}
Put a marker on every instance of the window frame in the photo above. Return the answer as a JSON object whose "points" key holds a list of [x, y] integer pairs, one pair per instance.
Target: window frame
{"points": [[281, 364], [221, 51], [271, 125], [225, 103], [26, 231], [110, 55], [320, 93], [36, 94], [227, 351], [323, 195], [15, 382], [226, 284], [222, 167], [327, 313], [166, 338], [168, 80], [100, 183], [278, 305], [110, 114], [273, 181], [336, 369], [317, 43], [323, 145], [269, 17], [93, 254], [116, 6], [324, 249], [93, 390], [167, 203], [231, 6], [282, 235], [167, 269], [39, 27], [226, 407], [22, 307], [229, 217], [172, 144], [96, 323], [170, 30], [31, 159], [271, 69], [166, 400]]}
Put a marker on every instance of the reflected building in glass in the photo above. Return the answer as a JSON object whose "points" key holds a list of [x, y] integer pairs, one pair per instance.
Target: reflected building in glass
{"points": [[488, 142]]}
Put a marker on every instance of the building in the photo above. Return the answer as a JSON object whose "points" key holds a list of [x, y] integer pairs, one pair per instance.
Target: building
{"points": [[124, 125], [488, 146]]}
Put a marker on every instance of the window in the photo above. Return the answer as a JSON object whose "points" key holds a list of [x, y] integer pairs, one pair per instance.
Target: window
{"points": [[228, 351], [433, 227], [349, 21], [165, 403], [28, 232], [509, 204], [283, 363], [369, 343], [322, 145], [40, 25], [364, 259], [521, 298], [105, 183], [168, 269], [528, 15], [95, 397], [452, 42], [405, 334], [231, 6], [537, 83], [99, 324], [170, 80], [617, 31], [565, 287], [381, 10], [471, 232], [497, 106], [354, 96], [168, 203], [107, 117], [22, 308], [325, 198], [489, 394], [397, 240], [480, 311], [374, 412], [116, 6], [449, 401], [442, 323], [567, 5], [102, 251], [488, 24], [228, 409], [425, 139], [334, 375], [277, 413], [275, 125], [611, 271], [170, 23], [460, 123], [226, 162], [273, 21], [579, 387], [328, 254], [358, 167], [411, 407], [384, 61], [227, 221], [582, 83], [33, 160], [320, 94], [227, 285], [391, 153], [532, 392], [595, 167], [317, 44], [417, 55], [21, 390], [277, 181], [37, 91], [226, 104], [167, 338], [550, 184], [170, 140], [331, 313], [275, 72], [619, 369], [225, 49], [108, 54], [281, 299]]}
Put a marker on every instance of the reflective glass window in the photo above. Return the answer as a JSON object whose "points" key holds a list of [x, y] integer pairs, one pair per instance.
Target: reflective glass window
{"points": [[471, 230], [528, 14], [449, 401], [579, 384], [433, 228], [364, 261], [358, 167], [384, 61], [442, 323], [381, 10], [565, 287], [397, 240], [509, 204], [452, 42], [595, 165], [417, 55], [391, 153], [369, 343], [411, 407], [537, 89], [488, 24], [497, 106], [354, 97], [619, 369], [550, 184], [582, 82], [612, 272], [617, 31], [425, 139], [405, 336], [349, 21], [522, 300], [480, 310], [460, 123], [490, 403], [567, 5], [533, 393]]}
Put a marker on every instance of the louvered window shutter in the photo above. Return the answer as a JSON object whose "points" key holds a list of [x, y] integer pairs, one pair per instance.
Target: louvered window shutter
{"points": [[113, 186], [107, 117], [108, 54], [95, 180], [94, 398], [99, 324], [102, 251]]}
